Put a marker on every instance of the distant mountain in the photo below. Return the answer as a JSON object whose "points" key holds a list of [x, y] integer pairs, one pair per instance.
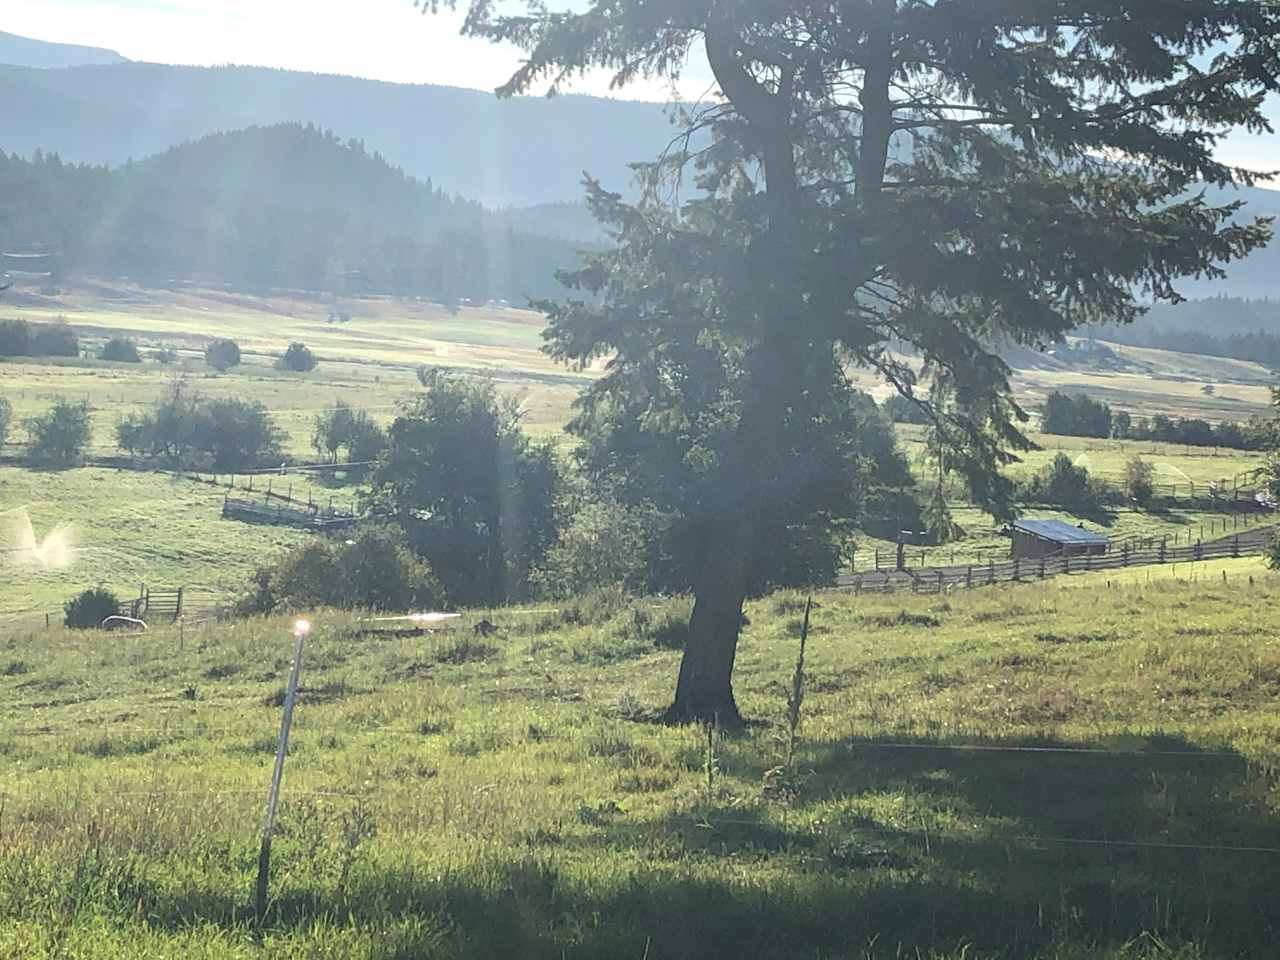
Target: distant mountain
{"points": [[25, 52], [517, 152], [275, 207]]}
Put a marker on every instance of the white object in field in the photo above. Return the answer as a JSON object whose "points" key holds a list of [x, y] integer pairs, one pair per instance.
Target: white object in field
{"points": [[124, 623], [419, 618]]}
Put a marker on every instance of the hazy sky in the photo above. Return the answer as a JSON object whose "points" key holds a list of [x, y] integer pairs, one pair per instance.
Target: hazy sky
{"points": [[379, 39]]}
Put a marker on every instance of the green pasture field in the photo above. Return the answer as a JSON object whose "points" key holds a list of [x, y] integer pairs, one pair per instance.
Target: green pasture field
{"points": [[1023, 772], [124, 528]]}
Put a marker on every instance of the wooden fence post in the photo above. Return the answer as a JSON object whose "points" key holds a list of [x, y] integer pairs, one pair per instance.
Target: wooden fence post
{"points": [[968, 576], [991, 571], [1235, 546], [1017, 568], [1042, 568], [273, 795], [1164, 546]]}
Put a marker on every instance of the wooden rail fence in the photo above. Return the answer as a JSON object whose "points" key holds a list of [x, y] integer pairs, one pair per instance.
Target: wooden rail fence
{"points": [[938, 579]]}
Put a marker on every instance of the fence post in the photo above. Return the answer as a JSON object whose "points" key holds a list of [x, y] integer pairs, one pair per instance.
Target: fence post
{"points": [[178, 612], [46, 621], [1017, 568], [991, 571], [1124, 552], [877, 560], [968, 576], [1235, 546], [1066, 564], [1164, 545], [1042, 568], [273, 795], [1198, 549]]}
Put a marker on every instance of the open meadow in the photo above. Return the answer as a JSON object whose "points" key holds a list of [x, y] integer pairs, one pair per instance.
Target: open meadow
{"points": [[1071, 770], [124, 529]]}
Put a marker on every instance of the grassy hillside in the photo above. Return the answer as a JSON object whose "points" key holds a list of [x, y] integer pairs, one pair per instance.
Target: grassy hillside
{"points": [[447, 796]]}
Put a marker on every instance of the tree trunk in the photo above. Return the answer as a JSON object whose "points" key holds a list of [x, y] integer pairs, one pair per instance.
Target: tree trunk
{"points": [[704, 691]]}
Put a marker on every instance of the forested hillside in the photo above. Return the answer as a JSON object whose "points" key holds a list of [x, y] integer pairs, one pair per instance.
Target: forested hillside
{"points": [[522, 151], [286, 206]]}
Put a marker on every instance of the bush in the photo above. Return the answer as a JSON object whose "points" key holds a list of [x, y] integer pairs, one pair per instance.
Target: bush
{"points": [[1063, 484], [1139, 481], [901, 410], [236, 434], [342, 427], [1075, 416], [6, 418], [222, 354], [120, 350], [55, 339], [15, 338], [604, 544], [376, 571], [60, 436], [89, 609], [298, 358], [21, 339]]}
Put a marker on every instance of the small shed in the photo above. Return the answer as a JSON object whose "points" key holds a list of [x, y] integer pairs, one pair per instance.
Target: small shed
{"points": [[1038, 538]]}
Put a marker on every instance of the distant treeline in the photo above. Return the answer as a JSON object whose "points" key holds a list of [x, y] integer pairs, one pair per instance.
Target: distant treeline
{"points": [[277, 207], [1080, 416], [1242, 329]]}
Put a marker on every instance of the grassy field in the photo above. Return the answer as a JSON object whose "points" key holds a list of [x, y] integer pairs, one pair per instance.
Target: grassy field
{"points": [[122, 529], [1067, 771], [133, 529]]}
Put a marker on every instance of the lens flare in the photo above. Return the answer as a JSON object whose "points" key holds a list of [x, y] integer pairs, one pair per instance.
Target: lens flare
{"points": [[301, 628]]}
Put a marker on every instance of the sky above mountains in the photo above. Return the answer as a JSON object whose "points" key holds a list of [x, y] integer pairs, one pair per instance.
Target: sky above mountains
{"points": [[377, 39]]}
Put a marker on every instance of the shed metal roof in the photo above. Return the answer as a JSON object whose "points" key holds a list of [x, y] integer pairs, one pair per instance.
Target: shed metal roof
{"points": [[1059, 532]]}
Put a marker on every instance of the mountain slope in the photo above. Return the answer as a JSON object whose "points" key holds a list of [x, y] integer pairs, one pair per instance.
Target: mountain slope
{"points": [[26, 52], [517, 152], [285, 206]]}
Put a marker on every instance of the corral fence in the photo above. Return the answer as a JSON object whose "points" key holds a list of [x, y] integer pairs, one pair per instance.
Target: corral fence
{"points": [[287, 512], [876, 560], [1135, 553], [154, 606]]}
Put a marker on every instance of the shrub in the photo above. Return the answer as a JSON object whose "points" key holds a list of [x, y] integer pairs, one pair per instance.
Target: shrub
{"points": [[376, 571], [89, 609], [55, 339], [236, 434], [222, 354], [1063, 484], [1139, 481], [342, 427], [901, 410], [604, 544], [21, 339], [120, 350], [60, 436], [6, 418], [15, 338], [298, 358], [1075, 416]]}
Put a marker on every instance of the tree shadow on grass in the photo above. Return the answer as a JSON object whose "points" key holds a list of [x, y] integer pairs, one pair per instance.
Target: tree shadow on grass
{"points": [[912, 846]]}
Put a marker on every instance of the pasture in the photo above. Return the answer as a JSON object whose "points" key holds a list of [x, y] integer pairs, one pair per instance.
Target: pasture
{"points": [[1066, 771], [133, 528]]}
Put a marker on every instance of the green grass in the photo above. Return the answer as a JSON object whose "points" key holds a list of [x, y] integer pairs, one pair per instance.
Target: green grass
{"points": [[124, 529], [446, 797]]}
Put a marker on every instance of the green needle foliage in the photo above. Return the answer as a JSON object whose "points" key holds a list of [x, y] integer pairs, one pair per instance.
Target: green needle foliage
{"points": [[946, 176]]}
